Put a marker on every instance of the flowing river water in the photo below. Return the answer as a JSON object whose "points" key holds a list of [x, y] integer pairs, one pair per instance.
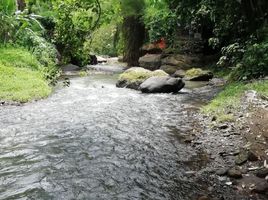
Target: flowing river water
{"points": [[95, 141]]}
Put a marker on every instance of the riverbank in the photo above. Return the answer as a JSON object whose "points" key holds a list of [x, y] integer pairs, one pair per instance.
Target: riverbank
{"points": [[226, 105], [236, 149], [22, 77]]}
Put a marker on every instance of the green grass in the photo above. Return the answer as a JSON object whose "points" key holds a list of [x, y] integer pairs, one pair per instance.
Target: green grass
{"points": [[21, 76], [230, 98], [22, 84], [18, 57]]}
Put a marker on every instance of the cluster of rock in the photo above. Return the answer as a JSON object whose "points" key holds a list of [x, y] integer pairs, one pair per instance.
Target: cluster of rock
{"points": [[149, 81], [163, 74], [258, 182]]}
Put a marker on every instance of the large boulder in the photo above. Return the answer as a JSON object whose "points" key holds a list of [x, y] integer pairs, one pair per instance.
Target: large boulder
{"points": [[164, 84], [133, 77], [181, 61], [197, 74], [150, 61]]}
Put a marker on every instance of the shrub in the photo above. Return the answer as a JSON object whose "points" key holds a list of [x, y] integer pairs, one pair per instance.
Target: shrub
{"points": [[254, 63], [160, 22], [44, 51], [74, 24]]}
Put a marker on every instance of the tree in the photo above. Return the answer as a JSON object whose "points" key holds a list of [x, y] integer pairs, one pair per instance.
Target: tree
{"points": [[133, 30]]}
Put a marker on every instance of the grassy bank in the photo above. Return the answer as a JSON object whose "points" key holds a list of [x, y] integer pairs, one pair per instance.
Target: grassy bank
{"points": [[21, 76], [229, 99]]}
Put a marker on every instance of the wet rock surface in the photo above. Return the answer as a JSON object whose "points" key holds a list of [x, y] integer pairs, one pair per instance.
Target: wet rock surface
{"points": [[162, 85]]}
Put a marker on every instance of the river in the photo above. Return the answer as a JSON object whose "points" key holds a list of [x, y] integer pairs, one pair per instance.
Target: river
{"points": [[95, 141]]}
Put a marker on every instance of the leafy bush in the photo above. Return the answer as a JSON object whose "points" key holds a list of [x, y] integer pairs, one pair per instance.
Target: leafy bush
{"points": [[254, 63], [231, 54], [13, 23], [160, 21], [7, 20], [44, 51], [74, 23]]}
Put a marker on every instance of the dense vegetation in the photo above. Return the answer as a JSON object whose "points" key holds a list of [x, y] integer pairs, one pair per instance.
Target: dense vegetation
{"points": [[69, 31]]}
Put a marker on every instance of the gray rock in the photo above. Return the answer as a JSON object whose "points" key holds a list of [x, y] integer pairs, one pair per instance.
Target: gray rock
{"points": [[262, 173], [150, 61], [169, 69], [162, 85], [252, 156], [133, 77], [101, 59], [241, 158], [261, 187], [235, 173], [181, 61], [179, 74], [222, 172], [217, 82]]}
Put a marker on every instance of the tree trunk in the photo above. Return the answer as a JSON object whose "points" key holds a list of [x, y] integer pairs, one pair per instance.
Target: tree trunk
{"points": [[21, 4], [133, 34]]}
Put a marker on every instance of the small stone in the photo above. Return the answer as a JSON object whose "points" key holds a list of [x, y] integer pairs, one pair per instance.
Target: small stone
{"points": [[188, 139], [241, 158], [229, 183], [222, 172], [234, 173], [224, 126], [252, 156], [214, 118], [190, 172], [203, 198], [262, 173], [261, 187]]}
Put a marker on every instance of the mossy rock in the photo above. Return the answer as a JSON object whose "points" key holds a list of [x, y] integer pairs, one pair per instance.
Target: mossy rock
{"points": [[197, 74], [135, 76]]}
